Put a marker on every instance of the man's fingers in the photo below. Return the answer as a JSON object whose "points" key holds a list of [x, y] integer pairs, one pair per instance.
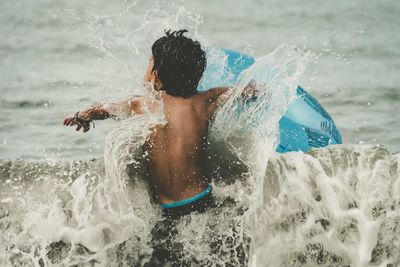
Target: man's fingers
{"points": [[67, 121], [85, 126]]}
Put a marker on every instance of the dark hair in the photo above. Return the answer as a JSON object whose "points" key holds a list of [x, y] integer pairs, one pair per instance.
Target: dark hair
{"points": [[179, 63]]}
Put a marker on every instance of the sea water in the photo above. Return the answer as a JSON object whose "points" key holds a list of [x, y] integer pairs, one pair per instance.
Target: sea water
{"points": [[332, 207], [336, 206]]}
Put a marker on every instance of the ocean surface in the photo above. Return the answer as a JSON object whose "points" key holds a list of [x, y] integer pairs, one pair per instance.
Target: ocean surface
{"points": [[336, 206], [57, 57]]}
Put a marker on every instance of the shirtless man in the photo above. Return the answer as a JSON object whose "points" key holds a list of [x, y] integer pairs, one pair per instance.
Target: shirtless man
{"points": [[176, 150]]}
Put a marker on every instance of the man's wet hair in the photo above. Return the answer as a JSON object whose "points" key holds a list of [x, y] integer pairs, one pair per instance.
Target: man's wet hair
{"points": [[179, 62]]}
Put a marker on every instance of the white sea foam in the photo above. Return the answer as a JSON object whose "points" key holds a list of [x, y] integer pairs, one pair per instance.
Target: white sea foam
{"points": [[336, 206]]}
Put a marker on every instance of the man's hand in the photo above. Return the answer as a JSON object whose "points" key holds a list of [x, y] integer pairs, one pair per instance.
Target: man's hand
{"points": [[80, 120], [250, 90]]}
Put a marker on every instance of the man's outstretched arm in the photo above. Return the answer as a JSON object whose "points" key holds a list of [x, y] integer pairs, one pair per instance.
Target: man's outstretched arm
{"points": [[84, 118]]}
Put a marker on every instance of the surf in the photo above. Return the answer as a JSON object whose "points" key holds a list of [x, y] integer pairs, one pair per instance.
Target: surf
{"points": [[329, 207]]}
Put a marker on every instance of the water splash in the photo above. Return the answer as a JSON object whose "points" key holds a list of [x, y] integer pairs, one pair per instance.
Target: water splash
{"points": [[248, 124], [335, 206]]}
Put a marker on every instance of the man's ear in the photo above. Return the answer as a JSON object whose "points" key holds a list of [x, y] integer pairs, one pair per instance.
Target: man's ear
{"points": [[157, 82]]}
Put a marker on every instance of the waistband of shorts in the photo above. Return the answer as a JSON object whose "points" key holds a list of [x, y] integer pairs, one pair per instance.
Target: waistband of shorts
{"points": [[188, 200]]}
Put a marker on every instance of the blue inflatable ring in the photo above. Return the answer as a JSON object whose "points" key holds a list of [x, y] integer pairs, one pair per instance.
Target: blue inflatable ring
{"points": [[305, 124]]}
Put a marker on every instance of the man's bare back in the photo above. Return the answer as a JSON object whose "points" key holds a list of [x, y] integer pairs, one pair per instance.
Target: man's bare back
{"points": [[176, 150]]}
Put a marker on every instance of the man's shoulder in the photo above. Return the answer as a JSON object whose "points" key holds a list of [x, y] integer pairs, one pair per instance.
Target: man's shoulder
{"points": [[212, 94], [212, 99]]}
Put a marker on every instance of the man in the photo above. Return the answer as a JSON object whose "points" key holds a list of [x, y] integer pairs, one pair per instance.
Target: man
{"points": [[175, 150]]}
